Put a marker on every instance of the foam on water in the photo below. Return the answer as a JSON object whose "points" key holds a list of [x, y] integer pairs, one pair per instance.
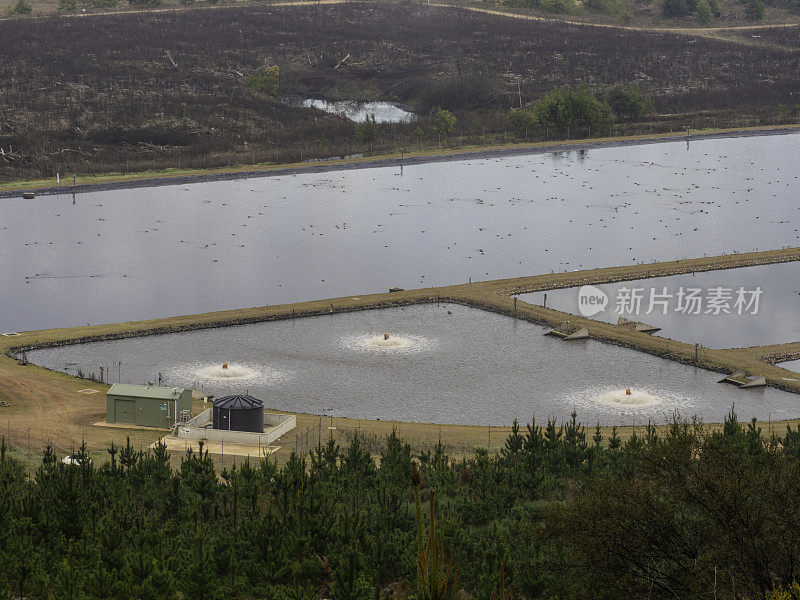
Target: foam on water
{"points": [[401, 344], [235, 373], [645, 402], [636, 398]]}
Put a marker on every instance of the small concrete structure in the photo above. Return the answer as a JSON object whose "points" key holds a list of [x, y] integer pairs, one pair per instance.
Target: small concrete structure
{"points": [[568, 331], [146, 406], [637, 325], [744, 379], [200, 428]]}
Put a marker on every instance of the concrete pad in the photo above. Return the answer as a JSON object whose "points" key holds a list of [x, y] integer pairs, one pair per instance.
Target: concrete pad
{"points": [[175, 444]]}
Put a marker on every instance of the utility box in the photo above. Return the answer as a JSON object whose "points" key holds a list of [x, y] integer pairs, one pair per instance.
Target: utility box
{"points": [[146, 406]]}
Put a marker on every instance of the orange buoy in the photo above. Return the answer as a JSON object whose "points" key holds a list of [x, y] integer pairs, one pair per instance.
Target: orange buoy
{"points": [[386, 336], [627, 391], [224, 365]]}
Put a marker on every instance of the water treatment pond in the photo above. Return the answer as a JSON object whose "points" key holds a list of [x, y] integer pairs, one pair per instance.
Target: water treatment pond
{"points": [[792, 365], [753, 306], [384, 112], [160, 251], [441, 364]]}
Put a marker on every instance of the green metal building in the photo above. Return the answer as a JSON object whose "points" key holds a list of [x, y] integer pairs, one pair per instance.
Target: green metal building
{"points": [[146, 406]]}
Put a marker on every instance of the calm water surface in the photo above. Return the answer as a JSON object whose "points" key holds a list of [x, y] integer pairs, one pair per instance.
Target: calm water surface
{"points": [[769, 317], [450, 364], [793, 365], [154, 252]]}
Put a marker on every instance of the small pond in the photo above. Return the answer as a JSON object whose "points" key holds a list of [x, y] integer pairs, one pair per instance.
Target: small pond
{"points": [[792, 365], [440, 364], [385, 112], [753, 306]]}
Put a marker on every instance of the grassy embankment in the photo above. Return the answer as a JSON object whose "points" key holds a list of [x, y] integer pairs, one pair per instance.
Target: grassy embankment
{"points": [[47, 405]]}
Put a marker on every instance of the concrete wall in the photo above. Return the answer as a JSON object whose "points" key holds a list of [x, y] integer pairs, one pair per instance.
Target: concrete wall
{"points": [[275, 425]]}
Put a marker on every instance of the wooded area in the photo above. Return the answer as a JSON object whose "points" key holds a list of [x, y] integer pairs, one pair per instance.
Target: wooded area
{"points": [[687, 514]]}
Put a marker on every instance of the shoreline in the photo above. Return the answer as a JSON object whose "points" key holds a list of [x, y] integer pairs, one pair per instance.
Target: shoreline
{"points": [[139, 180]]}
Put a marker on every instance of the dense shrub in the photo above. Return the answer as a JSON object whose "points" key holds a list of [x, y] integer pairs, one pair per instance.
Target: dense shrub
{"points": [[523, 120], [266, 81], [443, 122], [678, 8], [703, 13], [576, 109], [458, 92], [608, 7], [754, 10], [22, 7], [628, 101], [367, 130]]}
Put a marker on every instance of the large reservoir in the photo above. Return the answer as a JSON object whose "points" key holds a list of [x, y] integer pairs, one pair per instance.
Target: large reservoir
{"points": [[160, 251]]}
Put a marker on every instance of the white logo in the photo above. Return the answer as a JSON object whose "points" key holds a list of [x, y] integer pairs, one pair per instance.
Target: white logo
{"points": [[591, 300]]}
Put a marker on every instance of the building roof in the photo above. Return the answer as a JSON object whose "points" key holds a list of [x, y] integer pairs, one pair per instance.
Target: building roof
{"points": [[237, 402], [145, 391]]}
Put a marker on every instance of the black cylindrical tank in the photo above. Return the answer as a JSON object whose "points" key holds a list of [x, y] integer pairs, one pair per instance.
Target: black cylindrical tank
{"points": [[238, 413]]}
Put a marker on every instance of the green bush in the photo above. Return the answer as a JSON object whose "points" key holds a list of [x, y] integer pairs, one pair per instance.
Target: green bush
{"points": [[523, 120], [101, 3], [606, 7], [67, 5], [678, 8], [367, 130], [753, 11], [628, 101], [565, 109], [443, 121], [703, 13], [556, 6], [20, 8], [267, 81]]}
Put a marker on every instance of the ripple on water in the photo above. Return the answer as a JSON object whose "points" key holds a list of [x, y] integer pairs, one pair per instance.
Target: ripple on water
{"points": [[401, 344]]}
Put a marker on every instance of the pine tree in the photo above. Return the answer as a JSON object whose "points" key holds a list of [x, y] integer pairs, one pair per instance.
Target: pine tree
{"points": [[349, 581], [199, 581], [513, 445], [614, 442]]}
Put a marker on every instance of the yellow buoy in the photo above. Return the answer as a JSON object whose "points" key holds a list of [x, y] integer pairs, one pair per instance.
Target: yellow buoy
{"points": [[386, 336], [224, 365]]}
